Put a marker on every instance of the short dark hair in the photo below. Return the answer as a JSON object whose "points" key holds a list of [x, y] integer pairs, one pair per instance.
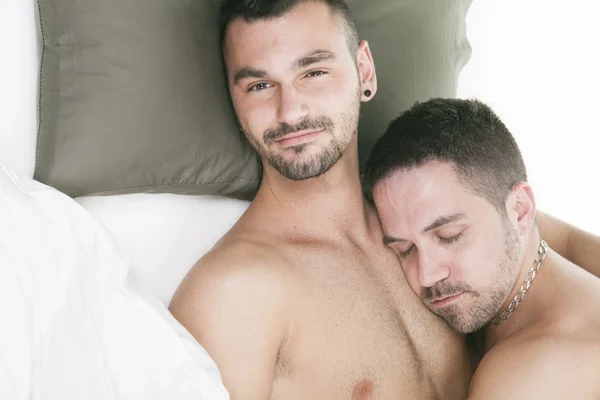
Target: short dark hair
{"points": [[255, 10], [466, 133]]}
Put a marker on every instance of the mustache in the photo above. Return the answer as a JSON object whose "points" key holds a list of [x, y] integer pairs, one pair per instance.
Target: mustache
{"points": [[446, 289], [316, 124]]}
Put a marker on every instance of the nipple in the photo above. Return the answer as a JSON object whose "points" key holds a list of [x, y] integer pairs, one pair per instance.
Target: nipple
{"points": [[363, 390]]}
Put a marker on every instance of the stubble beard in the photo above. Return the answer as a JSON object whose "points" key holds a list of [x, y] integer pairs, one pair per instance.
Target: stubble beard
{"points": [[487, 302], [324, 159]]}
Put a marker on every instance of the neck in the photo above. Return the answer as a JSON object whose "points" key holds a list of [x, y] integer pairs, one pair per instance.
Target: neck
{"points": [[529, 308], [330, 205]]}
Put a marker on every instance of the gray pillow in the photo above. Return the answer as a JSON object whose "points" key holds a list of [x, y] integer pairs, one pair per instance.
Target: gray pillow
{"points": [[419, 48], [132, 98]]}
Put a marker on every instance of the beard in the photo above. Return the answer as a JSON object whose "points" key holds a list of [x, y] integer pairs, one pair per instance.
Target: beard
{"points": [[323, 159], [487, 301]]}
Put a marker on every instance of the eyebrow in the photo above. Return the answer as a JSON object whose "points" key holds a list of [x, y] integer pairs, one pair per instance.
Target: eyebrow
{"points": [[307, 60], [311, 58], [247, 72], [441, 221]]}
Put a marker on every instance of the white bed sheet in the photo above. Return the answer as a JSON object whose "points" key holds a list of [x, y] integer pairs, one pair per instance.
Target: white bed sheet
{"points": [[75, 323], [79, 320], [162, 236]]}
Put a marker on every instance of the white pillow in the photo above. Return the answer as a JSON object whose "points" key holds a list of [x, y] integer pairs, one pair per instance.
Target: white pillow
{"points": [[75, 323], [161, 235]]}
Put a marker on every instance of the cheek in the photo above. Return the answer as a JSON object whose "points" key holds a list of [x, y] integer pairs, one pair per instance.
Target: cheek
{"points": [[255, 120], [476, 263], [468, 267], [341, 85], [335, 95], [253, 111]]}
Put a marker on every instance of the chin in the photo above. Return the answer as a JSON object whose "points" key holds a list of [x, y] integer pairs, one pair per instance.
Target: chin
{"points": [[300, 171], [466, 327], [304, 166], [462, 322]]}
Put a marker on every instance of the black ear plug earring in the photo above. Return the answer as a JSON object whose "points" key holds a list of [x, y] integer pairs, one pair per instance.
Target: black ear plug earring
{"points": [[368, 93]]}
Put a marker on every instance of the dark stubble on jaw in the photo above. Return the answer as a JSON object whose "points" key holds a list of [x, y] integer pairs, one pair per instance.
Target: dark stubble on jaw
{"points": [[321, 163], [488, 300], [297, 170], [310, 124], [326, 158]]}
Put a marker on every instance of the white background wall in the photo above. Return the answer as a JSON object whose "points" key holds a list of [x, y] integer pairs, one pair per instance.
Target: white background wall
{"points": [[537, 63]]}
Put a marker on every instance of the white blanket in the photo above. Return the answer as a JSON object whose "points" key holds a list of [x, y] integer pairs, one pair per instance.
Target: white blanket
{"points": [[74, 323]]}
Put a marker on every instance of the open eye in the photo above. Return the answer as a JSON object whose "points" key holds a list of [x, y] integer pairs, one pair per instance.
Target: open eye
{"points": [[314, 74], [259, 87]]}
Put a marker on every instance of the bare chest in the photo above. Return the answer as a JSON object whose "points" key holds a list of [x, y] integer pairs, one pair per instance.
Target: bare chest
{"points": [[359, 333]]}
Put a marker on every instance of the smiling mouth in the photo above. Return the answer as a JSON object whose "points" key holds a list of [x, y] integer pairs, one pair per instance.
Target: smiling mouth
{"points": [[297, 138]]}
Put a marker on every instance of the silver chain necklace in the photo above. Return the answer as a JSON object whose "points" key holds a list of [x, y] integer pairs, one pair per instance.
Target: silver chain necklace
{"points": [[541, 255]]}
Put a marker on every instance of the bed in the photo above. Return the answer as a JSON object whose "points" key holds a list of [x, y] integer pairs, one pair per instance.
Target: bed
{"points": [[87, 269]]}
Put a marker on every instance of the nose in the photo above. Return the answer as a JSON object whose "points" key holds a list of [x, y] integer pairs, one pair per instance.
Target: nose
{"points": [[292, 106], [431, 269]]}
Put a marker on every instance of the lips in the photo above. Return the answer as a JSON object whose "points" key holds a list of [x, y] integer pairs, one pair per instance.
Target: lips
{"points": [[296, 134], [297, 138], [445, 300]]}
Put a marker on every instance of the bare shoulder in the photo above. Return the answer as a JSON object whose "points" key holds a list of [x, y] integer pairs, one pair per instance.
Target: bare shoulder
{"points": [[235, 302], [549, 366], [235, 273]]}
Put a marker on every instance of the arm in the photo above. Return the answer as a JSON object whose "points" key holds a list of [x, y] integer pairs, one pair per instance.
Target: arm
{"points": [[236, 313], [579, 247], [542, 368]]}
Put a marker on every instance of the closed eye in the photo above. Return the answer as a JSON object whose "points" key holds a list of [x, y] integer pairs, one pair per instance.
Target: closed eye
{"points": [[450, 240], [406, 253]]}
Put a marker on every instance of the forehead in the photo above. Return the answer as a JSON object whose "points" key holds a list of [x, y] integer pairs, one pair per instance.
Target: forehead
{"points": [[307, 27], [419, 195]]}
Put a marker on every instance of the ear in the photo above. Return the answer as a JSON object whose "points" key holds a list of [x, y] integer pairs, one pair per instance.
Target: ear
{"points": [[521, 205], [366, 71]]}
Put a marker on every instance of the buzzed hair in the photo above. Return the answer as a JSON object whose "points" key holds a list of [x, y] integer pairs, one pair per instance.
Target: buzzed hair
{"points": [[466, 133], [256, 10]]}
